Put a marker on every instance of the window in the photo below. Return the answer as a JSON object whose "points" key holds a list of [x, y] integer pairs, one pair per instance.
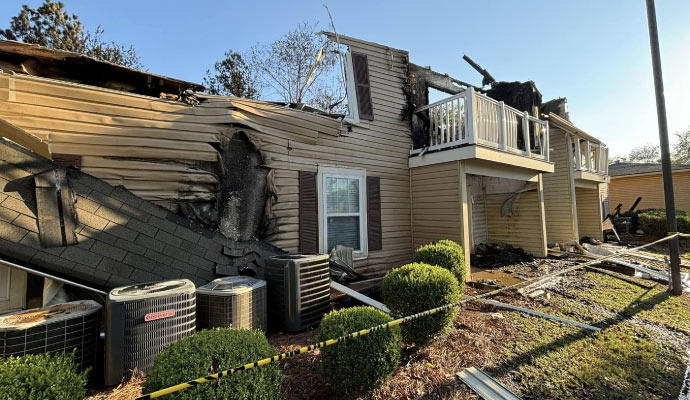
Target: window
{"points": [[342, 207], [358, 88]]}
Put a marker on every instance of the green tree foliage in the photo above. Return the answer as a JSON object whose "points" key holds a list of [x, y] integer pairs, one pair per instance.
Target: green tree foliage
{"points": [[681, 150], [232, 77], [645, 154], [50, 25], [364, 363]]}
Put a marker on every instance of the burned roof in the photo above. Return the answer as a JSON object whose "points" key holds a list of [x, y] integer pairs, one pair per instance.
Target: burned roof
{"points": [[31, 59], [625, 169]]}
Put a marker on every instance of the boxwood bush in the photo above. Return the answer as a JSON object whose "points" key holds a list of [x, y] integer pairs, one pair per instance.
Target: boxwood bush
{"points": [[653, 221], [447, 254], [361, 364], [418, 287], [41, 376], [211, 351]]}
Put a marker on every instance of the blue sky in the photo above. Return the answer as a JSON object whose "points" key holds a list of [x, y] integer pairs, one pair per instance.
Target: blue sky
{"points": [[595, 53]]}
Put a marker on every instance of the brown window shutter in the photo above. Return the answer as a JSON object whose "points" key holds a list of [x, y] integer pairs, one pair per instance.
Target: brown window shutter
{"points": [[361, 72], [374, 239], [308, 213]]}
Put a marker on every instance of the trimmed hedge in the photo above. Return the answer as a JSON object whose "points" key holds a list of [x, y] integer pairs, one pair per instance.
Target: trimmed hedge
{"points": [[418, 287], [41, 376], [653, 221], [210, 351], [447, 254], [361, 364]]}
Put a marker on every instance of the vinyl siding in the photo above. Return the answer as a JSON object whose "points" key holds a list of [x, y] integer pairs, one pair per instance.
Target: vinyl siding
{"points": [[480, 230], [589, 213], [380, 146], [523, 228], [436, 203], [151, 146], [558, 195], [166, 151], [627, 189]]}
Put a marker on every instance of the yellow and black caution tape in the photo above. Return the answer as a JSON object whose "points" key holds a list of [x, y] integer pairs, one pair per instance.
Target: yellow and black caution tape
{"points": [[330, 342]]}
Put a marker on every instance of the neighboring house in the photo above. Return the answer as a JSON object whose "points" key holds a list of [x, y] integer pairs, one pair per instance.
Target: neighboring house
{"points": [[576, 194], [632, 180]]}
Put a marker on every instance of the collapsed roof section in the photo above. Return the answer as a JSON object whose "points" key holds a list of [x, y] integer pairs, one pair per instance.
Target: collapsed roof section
{"points": [[35, 60]]}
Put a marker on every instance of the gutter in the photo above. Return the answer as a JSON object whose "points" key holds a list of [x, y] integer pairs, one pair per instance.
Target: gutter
{"points": [[49, 276]]}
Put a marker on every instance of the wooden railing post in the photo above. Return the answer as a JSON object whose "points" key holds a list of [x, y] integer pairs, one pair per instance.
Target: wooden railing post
{"points": [[470, 117], [606, 164], [546, 142], [431, 126], [588, 160], [578, 153], [502, 134], [525, 132]]}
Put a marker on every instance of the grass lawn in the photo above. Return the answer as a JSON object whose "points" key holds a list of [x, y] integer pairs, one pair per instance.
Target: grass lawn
{"points": [[638, 354]]}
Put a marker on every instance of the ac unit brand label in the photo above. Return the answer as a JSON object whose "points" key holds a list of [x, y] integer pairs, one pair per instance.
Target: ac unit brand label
{"points": [[159, 315]]}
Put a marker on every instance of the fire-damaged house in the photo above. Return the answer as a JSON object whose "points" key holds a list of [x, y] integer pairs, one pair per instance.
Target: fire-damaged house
{"points": [[113, 176], [194, 186], [576, 194], [477, 166]]}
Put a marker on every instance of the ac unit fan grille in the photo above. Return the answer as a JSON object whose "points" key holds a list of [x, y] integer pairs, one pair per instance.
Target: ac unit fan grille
{"points": [[78, 334], [143, 341], [245, 310], [299, 290]]}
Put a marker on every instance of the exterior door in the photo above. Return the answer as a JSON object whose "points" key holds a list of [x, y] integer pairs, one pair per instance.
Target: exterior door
{"points": [[12, 289]]}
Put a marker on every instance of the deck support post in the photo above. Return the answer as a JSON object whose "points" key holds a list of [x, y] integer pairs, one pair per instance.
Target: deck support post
{"points": [[465, 231]]}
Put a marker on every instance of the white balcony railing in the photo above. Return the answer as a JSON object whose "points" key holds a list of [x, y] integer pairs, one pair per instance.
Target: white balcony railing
{"points": [[473, 118], [589, 156]]}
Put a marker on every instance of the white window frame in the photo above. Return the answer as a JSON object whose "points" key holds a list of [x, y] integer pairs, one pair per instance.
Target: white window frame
{"points": [[352, 173], [352, 104]]}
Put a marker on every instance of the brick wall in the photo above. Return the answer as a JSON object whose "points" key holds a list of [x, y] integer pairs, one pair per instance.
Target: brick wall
{"points": [[123, 239]]}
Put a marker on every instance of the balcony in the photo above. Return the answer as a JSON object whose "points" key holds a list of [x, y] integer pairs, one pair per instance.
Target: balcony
{"points": [[590, 159], [473, 119]]}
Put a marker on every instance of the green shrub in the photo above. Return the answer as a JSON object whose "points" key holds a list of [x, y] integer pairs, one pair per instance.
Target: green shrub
{"points": [[447, 254], [211, 351], [653, 221], [418, 287], [363, 363], [42, 376]]}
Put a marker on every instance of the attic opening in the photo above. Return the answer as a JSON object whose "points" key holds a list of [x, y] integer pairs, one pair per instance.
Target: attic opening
{"points": [[243, 189]]}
